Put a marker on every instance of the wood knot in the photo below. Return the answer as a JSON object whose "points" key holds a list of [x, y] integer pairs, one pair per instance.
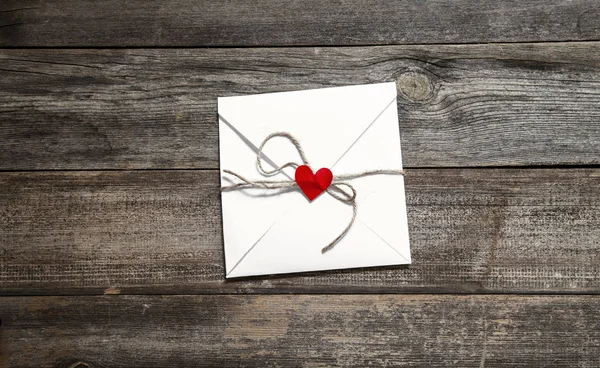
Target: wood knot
{"points": [[414, 86]]}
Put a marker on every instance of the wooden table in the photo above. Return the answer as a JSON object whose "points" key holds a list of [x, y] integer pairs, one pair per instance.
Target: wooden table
{"points": [[110, 229]]}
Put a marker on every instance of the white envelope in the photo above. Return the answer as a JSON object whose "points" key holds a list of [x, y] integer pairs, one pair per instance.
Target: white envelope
{"points": [[346, 129]]}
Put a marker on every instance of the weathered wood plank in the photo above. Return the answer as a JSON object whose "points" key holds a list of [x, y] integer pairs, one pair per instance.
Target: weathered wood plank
{"points": [[472, 230], [292, 22], [302, 331], [477, 105]]}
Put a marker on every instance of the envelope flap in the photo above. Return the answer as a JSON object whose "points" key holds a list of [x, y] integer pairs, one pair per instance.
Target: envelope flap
{"points": [[278, 252], [326, 121]]}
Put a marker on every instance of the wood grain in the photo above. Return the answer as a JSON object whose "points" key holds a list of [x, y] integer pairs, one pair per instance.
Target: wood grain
{"points": [[102, 102], [472, 230], [477, 105], [292, 22], [302, 331]]}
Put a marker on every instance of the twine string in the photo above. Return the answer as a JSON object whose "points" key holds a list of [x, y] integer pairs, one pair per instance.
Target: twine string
{"points": [[294, 141], [335, 189]]}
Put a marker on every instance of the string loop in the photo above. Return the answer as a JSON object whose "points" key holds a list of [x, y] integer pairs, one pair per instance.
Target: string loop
{"points": [[294, 141]]}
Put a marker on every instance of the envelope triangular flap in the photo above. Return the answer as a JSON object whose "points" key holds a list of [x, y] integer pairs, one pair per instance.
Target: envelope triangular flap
{"points": [[381, 199], [326, 121], [247, 214], [294, 245]]}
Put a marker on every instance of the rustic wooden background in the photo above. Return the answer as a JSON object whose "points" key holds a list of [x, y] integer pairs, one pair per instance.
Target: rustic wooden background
{"points": [[110, 231]]}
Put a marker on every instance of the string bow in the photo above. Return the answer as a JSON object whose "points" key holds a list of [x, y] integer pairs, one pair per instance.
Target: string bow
{"points": [[335, 189]]}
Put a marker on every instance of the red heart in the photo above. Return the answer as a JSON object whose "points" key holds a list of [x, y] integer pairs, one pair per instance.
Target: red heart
{"points": [[313, 184]]}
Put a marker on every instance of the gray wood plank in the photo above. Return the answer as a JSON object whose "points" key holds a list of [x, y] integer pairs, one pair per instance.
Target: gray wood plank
{"points": [[302, 331], [475, 105], [292, 22], [472, 230]]}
